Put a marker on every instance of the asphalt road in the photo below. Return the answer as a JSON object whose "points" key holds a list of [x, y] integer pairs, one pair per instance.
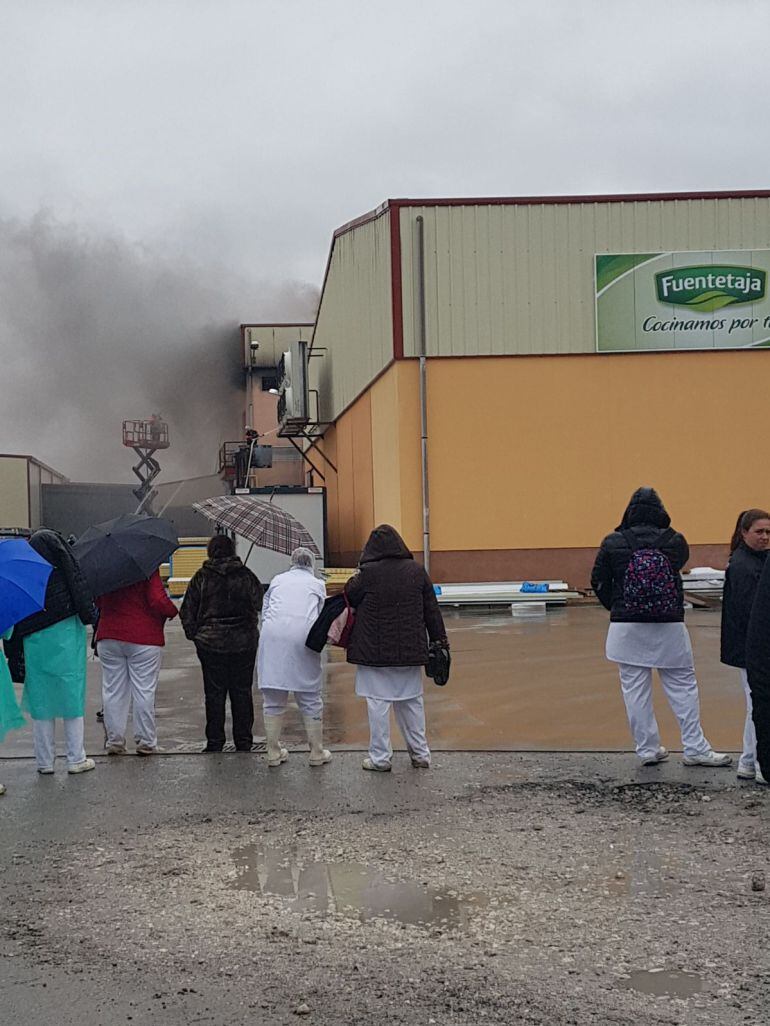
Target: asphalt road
{"points": [[529, 889]]}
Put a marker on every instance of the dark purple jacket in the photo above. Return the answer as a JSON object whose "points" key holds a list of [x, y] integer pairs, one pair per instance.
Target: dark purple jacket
{"points": [[396, 607]]}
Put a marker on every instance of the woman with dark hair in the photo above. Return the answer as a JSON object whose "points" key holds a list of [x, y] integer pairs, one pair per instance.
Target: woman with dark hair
{"points": [[748, 553], [396, 614], [636, 577], [129, 643], [220, 613]]}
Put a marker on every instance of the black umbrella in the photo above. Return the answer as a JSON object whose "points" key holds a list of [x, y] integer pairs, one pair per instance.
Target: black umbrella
{"points": [[124, 551]]}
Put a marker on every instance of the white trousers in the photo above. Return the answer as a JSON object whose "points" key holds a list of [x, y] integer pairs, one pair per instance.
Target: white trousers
{"points": [[44, 737], [681, 690], [129, 672], [410, 717], [309, 703], [749, 756]]}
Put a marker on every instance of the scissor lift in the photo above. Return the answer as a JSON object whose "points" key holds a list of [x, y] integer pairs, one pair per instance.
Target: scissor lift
{"points": [[146, 437]]}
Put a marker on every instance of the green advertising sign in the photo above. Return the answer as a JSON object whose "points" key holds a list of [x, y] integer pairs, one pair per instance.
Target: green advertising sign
{"points": [[703, 300]]}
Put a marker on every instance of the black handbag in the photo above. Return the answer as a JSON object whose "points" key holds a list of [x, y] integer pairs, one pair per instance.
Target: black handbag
{"points": [[439, 662]]}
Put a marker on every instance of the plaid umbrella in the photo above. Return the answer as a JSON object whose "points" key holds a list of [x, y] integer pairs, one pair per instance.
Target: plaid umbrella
{"points": [[268, 526]]}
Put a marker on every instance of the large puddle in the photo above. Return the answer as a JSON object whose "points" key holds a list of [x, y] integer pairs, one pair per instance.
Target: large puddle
{"points": [[350, 888], [665, 982]]}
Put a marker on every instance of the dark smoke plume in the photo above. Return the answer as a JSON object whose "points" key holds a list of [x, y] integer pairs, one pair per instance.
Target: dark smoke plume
{"points": [[95, 330]]}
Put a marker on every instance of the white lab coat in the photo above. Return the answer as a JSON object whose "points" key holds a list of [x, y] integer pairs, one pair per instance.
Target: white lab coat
{"points": [[290, 608], [657, 645]]}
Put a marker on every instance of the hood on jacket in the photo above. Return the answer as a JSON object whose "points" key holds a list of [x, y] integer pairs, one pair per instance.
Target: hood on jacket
{"points": [[645, 507], [385, 543], [51, 546], [227, 565]]}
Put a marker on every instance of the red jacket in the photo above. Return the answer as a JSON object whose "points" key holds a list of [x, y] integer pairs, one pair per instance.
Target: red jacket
{"points": [[135, 613]]}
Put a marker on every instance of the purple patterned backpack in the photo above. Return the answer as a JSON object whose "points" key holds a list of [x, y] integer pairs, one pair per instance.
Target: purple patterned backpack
{"points": [[649, 583]]}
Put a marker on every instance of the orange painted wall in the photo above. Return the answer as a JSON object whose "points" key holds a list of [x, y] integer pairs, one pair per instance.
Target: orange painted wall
{"points": [[350, 501], [543, 452]]}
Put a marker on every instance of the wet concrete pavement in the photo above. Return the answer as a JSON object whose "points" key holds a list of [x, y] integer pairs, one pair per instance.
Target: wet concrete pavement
{"points": [[502, 888], [516, 684], [534, 888]]}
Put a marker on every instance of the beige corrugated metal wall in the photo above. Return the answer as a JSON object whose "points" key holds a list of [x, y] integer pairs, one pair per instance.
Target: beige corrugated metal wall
{"points": [[518, 279], [355, 321], [14, 492]]}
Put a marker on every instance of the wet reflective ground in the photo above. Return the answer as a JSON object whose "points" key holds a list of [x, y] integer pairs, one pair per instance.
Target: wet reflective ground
{"points": [[516, 684]]}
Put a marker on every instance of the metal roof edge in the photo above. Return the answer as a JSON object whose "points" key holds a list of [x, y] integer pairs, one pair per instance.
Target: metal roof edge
{"points": [[32, 459], [619, 197]]}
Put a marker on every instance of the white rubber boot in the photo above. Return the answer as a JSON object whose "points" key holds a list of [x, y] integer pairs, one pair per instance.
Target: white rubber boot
{"points": [[315, 732], [276, 753]]}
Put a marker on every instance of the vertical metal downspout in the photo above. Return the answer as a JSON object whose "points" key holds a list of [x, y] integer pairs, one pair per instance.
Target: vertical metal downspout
{"points": [[423, 349]]}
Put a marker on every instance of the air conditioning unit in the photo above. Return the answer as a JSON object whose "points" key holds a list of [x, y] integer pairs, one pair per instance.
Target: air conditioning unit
{"points": [[292, 388]]}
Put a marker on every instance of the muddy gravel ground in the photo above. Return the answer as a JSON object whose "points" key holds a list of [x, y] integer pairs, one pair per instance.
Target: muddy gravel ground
{"points": [[531, 889]]}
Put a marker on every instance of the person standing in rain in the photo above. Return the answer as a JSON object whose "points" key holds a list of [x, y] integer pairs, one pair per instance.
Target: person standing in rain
{"points": [[748, 554], [396, 613], [10, 715], [758, 672], [285, 664], [129, 643], [220, 614], [53, 645], [636, 577]]}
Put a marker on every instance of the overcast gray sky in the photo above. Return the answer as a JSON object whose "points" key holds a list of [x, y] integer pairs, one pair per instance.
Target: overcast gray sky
{"points": [[228, 138], [245, 131]]}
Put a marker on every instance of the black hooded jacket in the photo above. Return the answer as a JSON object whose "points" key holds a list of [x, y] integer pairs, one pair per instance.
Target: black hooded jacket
{"points": [[741, 580], [67, 593], [646, 518], [220, 611], [396, 607]]}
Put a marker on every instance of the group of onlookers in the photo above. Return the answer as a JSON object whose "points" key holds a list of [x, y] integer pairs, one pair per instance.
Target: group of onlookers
{"points": [[394, 614]]}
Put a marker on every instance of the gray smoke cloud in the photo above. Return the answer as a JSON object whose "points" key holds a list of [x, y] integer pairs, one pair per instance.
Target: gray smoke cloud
{"points": [[95, 330]]}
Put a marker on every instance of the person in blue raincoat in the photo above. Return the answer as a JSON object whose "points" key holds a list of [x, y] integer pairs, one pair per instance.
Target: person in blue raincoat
{"points": [[54, 656], [10, 714]]}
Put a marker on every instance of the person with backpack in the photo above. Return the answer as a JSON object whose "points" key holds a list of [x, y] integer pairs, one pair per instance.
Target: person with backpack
{"points": [[748, 552], [636, 577]]}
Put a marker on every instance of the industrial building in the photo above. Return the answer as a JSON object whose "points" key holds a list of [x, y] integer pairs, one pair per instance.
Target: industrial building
{"points": [[572, 349], [22, 482]]}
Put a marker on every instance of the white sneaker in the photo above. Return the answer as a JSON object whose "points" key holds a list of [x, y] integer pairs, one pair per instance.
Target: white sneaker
{"points": [[81, 767], [710, 758], [142, 748], [758, 776], [385, 767], [2, 788], [660, 756], [46, 771], [115, 748], [746, 770]]}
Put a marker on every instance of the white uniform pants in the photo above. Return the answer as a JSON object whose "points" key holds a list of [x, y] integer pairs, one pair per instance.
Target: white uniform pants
{"points": [[410, 717], [749, 756], [309, 703], [129, 672], [681, 690], [44, 737]]}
